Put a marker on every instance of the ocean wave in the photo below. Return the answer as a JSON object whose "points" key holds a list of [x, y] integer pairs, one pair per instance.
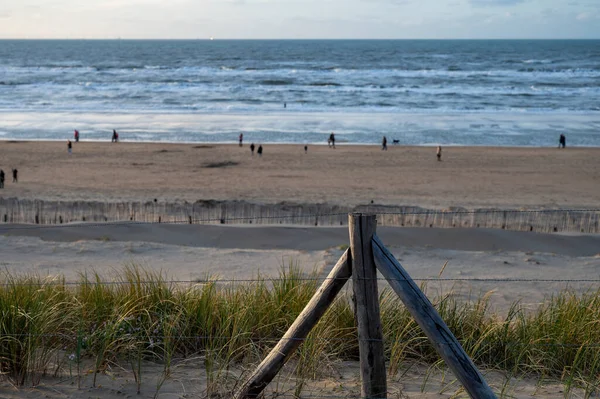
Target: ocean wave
{"points": [[250, 106], [537, 61], [123, 67], [564, 70], [276, 82], [145, 72], [340, 77], [58, 66], [325, 84], [520, 94]]}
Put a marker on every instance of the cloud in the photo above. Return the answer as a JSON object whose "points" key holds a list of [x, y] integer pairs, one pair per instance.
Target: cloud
{"points": [[586, 16], [494, 3], [583, 16]]}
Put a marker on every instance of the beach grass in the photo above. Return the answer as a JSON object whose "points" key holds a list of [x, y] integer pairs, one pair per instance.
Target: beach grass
{"points": [[48, 325]]}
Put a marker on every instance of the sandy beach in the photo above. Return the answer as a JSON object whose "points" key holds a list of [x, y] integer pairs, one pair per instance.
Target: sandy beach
{"points": [[349, 175]]}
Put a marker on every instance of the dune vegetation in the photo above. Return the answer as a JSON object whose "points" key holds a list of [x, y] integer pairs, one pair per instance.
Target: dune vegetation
{"points": [[50, 326]]}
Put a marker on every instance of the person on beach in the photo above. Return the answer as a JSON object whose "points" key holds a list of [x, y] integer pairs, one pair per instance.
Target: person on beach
{"points": [[15, 178], [252, 149], [562, 141], [331, 141], [306, 149], [69, 147], [241, 138], [259, 151], [384, 144], [1, 178], [115, 137], [438, 153], [76, 136]]}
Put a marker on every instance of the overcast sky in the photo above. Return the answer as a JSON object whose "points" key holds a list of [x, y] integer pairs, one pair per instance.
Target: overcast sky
{"points": [[299, 19]]}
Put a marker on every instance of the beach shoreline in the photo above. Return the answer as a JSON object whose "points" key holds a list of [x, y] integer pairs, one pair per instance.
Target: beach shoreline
{"points": [[279, 126]]}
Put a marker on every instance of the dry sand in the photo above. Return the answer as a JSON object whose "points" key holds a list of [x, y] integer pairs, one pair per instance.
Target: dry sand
{"points": [[467, 177], [195, 252], [349, 175]]}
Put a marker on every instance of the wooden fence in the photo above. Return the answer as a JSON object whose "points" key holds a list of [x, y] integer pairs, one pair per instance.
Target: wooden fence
{"points": [[13, 210], [361, 262]]}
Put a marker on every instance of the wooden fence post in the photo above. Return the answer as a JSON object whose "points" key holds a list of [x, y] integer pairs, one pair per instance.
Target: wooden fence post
{"points": [[364, 281], [298, 331], [440, 336]]}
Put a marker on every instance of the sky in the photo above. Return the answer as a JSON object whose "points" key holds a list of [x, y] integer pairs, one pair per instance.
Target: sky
{"points": [[300, 19]]}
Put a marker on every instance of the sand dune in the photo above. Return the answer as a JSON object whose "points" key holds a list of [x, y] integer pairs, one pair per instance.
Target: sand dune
{"points": [[510, 263], [194, 252]]}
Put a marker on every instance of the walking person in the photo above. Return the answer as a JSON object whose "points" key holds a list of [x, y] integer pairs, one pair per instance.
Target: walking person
{"points": [[69, 147], [1, 178], [252, 149], [259, 151], [115, 137], [76, 136], [384, 144], [331, 140], [562, 141], [241, 138], [439, 153], [15, 174]]}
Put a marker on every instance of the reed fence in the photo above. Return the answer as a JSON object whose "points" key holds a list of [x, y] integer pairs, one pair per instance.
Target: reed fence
{"points": [[39, 212]]}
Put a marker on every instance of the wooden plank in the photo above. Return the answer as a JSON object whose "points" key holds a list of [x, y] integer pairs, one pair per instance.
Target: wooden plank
{"points": [[430, 321], [295, 335], [366, 297]]}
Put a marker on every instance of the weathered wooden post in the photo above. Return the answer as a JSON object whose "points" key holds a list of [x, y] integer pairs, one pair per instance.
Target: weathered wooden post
{"points": [[298, 331], [440, 336], [364, 282]]}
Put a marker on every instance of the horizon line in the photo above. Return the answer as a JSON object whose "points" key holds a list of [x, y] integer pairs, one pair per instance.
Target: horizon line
{"points": [[289, 39]]}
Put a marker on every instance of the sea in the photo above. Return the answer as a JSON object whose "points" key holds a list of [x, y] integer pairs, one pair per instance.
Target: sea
{"points": [[415, 92]]}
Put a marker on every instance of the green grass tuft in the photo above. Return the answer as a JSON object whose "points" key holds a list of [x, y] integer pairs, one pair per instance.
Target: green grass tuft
{"points": [[141, 316]]}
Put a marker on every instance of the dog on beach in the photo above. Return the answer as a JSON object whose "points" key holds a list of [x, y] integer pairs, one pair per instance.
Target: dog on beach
{"points": [[396, 141]]}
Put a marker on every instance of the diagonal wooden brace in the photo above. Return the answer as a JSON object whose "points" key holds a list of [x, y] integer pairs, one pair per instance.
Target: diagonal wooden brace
{"points": [[442, 339], [298, 331]]}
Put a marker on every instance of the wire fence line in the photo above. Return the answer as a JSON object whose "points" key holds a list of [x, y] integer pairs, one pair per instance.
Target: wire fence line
{"points": [[55, 282], [354, 338]]}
